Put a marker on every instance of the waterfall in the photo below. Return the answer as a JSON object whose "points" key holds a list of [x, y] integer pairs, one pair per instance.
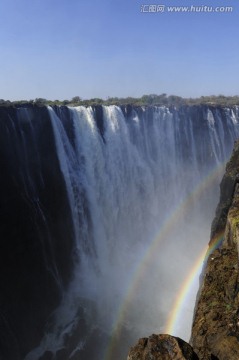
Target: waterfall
{"points": [[127, 173]]}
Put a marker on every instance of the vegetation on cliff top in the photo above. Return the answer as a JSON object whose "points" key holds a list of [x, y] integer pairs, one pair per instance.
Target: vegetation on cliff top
{"points": [[145, 100]]}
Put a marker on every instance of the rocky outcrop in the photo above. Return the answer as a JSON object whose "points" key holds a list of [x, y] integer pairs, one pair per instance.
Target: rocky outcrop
{"points": [[162, 347], [227, 187], [216, 321]]}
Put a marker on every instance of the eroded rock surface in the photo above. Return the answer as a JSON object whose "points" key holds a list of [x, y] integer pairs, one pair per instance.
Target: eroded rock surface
{"points": [[162, 347]]}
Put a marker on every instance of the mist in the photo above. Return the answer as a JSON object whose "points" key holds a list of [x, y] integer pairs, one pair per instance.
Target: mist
{"points": [[142, 185]]}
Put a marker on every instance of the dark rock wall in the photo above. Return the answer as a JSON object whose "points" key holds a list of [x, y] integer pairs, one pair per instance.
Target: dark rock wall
{"points": [[36, 235]]}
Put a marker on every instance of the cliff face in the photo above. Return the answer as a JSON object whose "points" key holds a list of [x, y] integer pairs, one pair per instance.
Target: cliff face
{"points": [[34, 222], [216, 322]]}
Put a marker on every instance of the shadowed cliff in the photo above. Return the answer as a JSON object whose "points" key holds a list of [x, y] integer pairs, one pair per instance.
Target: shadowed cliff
{"points": [[34, 222]]}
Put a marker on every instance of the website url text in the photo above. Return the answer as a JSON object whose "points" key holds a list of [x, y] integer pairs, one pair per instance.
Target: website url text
{"points": [[190, 9]]}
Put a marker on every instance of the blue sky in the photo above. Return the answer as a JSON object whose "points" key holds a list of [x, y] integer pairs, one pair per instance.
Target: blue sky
{"points": [[99, 48]]}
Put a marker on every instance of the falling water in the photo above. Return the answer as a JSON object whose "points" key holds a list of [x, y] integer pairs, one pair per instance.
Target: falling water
{"points": [[126, 172]]}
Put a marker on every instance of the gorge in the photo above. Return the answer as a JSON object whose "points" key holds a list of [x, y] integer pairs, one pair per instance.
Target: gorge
{"points": [[104, 211]]}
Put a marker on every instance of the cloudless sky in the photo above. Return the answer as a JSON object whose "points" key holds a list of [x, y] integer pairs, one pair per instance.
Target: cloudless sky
{"points": [[57, 49]]}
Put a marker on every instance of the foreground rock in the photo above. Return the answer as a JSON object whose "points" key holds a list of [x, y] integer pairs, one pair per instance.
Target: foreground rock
{"points": [[162, 347]]}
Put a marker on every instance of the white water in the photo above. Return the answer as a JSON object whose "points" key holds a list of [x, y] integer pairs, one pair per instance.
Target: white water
{"points": [[122, 187]]}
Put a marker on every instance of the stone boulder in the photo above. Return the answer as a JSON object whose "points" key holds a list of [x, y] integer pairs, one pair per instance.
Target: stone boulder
{"points": [[162, 347]]}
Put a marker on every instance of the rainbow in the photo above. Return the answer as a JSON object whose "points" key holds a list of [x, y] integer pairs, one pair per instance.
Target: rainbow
{"points": [[173, 218], [183, 293]]}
